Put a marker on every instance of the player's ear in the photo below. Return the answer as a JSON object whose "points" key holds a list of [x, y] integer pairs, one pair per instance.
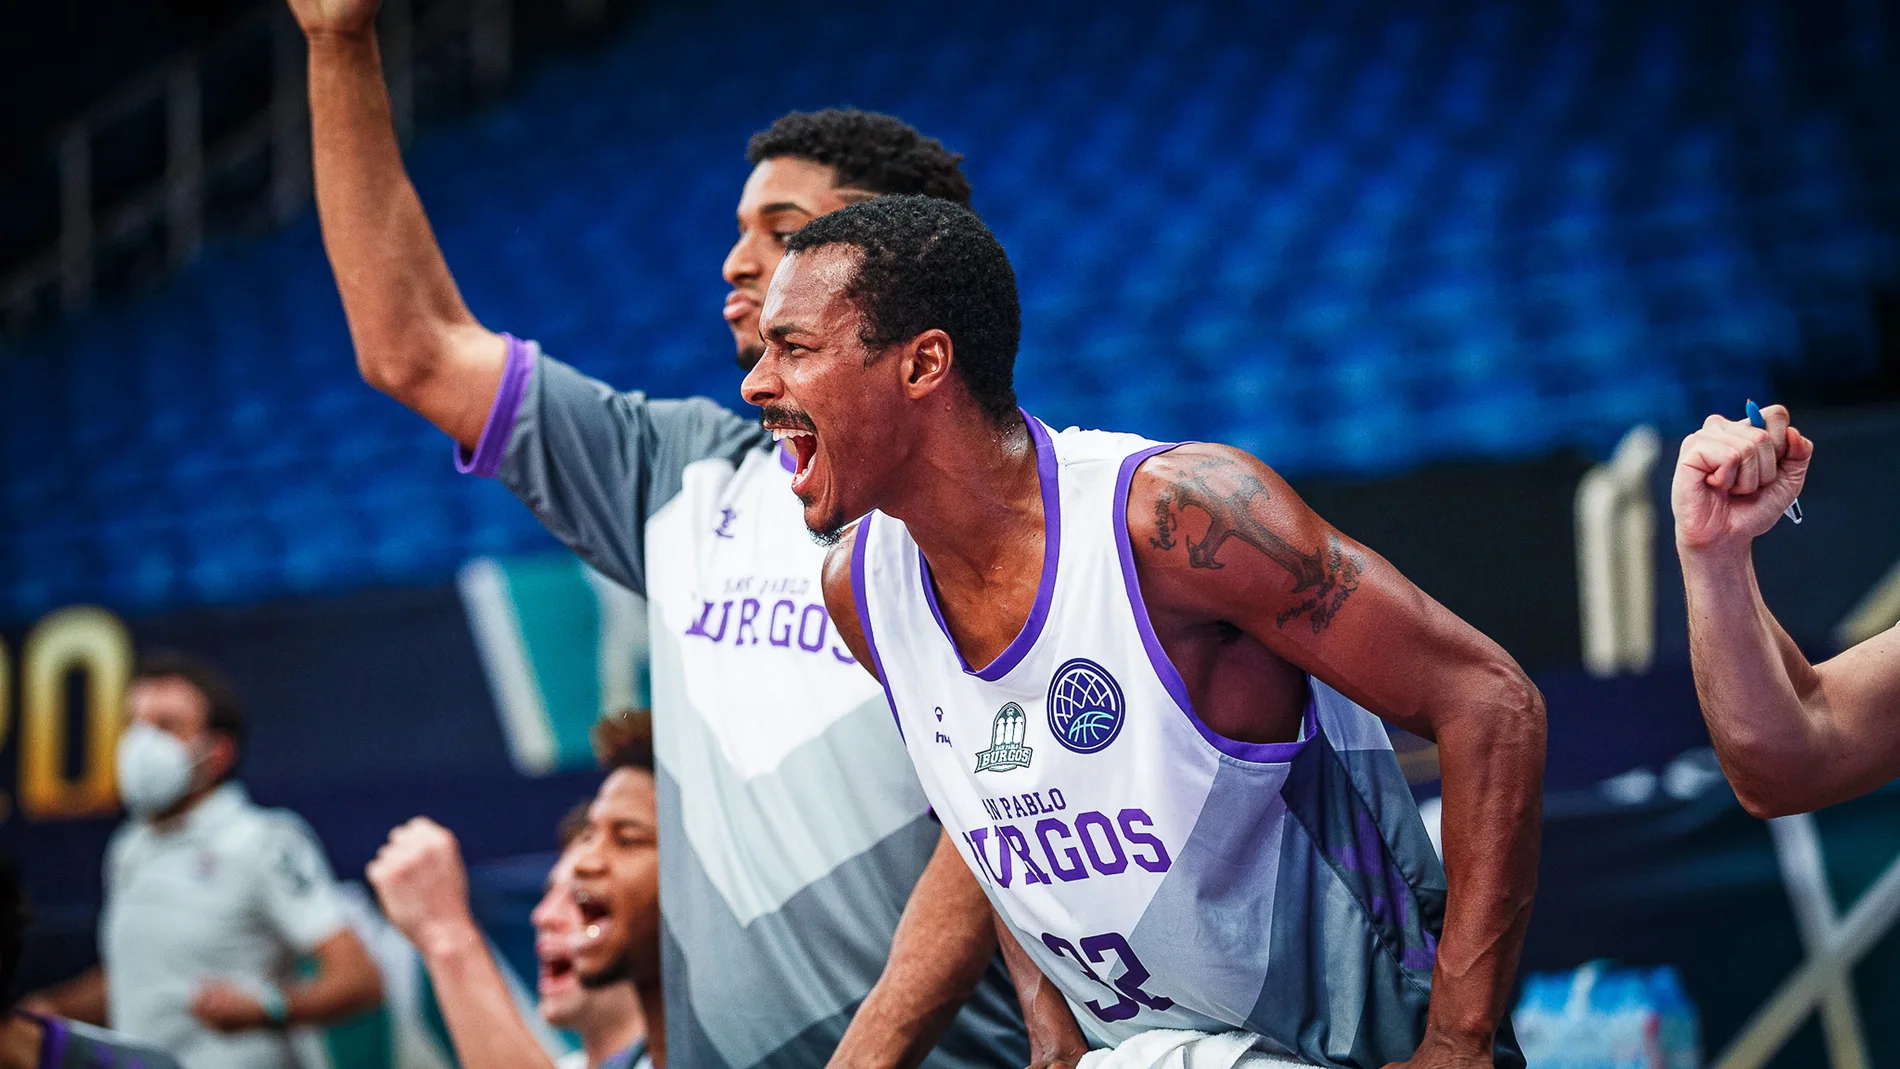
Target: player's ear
{"points": [[220, 756], [926, 361]]}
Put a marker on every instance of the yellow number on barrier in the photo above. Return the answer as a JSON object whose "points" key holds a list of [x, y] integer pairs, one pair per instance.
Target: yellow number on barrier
{"points": [[79, 639]]}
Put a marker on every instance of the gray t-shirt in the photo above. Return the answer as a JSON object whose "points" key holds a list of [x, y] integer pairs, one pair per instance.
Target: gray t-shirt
{"points": [[792, 827]]}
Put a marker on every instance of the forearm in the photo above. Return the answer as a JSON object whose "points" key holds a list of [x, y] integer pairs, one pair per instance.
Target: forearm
{"points": [[347, 983], [402, 304], [82, 998], [943, 943], [484, 1026], [1753, 682], [1492, 758], [1054, 1037]]}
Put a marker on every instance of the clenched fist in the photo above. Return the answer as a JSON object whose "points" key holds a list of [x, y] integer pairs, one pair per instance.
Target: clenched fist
{"points": [[1733, 480], [419, 878], [334, 16], [227, 1008]]}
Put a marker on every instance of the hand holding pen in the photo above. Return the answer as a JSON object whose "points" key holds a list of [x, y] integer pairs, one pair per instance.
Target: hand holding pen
{"points": [[1735, 478]]}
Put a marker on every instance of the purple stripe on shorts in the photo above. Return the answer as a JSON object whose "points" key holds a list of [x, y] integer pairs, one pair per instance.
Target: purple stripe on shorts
{"points": [[486, 460], [860, 540], [1025, 639], [1258, 752]]}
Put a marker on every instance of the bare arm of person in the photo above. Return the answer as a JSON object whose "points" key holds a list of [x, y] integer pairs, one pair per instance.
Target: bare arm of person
{"points": [[943, 943], [415, 338], [347, 982], [1055, 1040], [1220, 540], [1792, 736], [420, 880], [82, 998]]}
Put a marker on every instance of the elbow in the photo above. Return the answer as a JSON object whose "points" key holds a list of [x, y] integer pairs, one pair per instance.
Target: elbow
{"points": [[1766, 805], [396, 367], [1767, 797], [1517, 719]]}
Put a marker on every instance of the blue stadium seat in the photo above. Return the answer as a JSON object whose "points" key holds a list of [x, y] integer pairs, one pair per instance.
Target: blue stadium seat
{"points": [[1352, 238]]}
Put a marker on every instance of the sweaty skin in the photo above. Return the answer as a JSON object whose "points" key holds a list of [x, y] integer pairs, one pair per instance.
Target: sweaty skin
{"points": [[1792, 736], [1246, 587]]}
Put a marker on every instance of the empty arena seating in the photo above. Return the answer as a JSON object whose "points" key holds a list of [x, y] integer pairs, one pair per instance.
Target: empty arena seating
{"points": [[1353, 238]]}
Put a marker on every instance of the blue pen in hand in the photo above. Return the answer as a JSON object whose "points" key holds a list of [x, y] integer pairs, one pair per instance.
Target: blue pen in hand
{"points": [[1793, 511]]}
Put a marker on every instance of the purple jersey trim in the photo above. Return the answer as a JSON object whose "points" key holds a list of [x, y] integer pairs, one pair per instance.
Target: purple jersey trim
{"points": [[859, 541], [486, 460], [53, 1043], [1025, 639], [1265, 753]]}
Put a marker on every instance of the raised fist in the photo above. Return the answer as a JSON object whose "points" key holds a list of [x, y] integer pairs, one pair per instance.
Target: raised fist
{"points": [[1733, 480], [419, 878], [334, 16]]}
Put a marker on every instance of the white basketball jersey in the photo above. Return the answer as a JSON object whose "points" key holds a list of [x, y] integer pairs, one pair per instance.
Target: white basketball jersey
{"points": [[1161, 876]]}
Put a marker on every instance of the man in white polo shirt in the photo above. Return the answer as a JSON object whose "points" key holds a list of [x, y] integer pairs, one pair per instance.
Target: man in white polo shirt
{"points": [[210, 898]]}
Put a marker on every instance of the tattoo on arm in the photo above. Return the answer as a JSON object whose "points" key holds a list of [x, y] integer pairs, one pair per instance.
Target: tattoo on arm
{"points": [[1325, 577]]}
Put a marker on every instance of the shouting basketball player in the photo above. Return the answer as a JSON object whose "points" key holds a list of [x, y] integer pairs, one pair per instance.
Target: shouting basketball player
{"points": [[792, 830], [1142, 683]]}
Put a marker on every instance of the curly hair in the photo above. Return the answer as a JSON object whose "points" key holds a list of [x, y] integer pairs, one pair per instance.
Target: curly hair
{"points": [[623, 739], [869, 151], [927, 264]]}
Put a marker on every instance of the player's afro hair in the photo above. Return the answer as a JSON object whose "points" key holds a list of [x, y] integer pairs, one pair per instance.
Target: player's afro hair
{"points": [[869, 151], [929, 264], [624, 739]]}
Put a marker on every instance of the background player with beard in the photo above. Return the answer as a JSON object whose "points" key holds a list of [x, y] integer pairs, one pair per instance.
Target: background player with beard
{"points": [[792, 828], [1197, 659], [598, 927]]}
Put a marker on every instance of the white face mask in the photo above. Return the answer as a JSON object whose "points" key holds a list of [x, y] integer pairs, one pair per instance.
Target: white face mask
{"points": [[155, 769]]}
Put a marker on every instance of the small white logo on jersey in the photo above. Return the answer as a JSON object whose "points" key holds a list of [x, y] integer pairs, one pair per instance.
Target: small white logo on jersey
{"points": [[1006, 741]]}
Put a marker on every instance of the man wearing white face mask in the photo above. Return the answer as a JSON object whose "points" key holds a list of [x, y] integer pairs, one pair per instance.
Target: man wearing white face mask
{"points": [[210, 898]]}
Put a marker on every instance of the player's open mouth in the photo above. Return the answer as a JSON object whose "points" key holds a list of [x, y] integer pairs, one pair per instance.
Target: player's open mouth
{"points": [[804, 446], [595, 917]]}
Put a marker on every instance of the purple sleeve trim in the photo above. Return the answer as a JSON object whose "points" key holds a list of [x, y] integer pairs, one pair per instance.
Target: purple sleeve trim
{"points": [[486, 460], [860, 541], [1257, 752], [53, 1046], [1047, 475]]}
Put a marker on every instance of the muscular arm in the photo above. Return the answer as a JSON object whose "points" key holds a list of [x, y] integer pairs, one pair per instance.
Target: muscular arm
{"points": [[415, 339], [1791, 736], [1054, 1037], [943, 944], [1222, 542], [82, 998]]}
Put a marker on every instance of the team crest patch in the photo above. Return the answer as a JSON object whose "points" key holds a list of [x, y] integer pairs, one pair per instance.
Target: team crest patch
{"points": [[1085, 706], [1006, 741]]}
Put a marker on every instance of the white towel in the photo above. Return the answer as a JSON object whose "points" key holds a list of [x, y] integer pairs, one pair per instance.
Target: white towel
{"points": [[1167, 1048]]}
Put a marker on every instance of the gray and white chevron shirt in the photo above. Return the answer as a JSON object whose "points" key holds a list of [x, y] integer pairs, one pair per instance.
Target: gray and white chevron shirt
{"points": [[792, 826]]}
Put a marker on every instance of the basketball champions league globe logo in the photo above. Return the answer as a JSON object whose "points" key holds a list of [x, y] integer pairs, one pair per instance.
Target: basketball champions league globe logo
{"points": [[1085, 706], [1006, 741]]}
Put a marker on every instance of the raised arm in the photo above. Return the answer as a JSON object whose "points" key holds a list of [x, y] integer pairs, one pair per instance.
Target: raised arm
{"points": [[1792, 736], [423, 886], [1221, 542], [415, 339]]}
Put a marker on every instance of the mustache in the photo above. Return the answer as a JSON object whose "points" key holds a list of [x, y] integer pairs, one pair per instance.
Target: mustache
{"points": [[780, 416]]}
